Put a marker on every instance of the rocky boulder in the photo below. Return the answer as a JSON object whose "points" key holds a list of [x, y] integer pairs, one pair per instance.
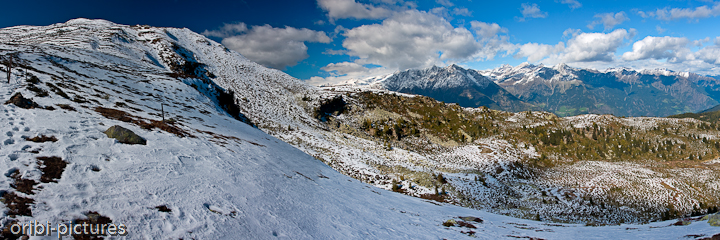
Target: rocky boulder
{"points": [[20, 101], [713, 220], [124, 135]]}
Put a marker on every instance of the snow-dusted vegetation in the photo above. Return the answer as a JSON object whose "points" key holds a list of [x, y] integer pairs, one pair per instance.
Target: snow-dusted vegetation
{"points": [[593, 169], [206, 167]]}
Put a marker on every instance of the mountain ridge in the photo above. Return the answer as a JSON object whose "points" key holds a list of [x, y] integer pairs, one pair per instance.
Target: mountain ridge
{"points": [[226, 178], [568, 91], [453, 84]]}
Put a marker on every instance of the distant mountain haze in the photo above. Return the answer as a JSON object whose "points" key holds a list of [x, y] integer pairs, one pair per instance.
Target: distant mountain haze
{"points": [[560, 89]]}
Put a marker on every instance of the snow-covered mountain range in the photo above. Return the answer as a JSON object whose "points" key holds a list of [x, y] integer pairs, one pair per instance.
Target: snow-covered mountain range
{"points": [[450, 84], [619, 91], [207, 172], [560, 89]]}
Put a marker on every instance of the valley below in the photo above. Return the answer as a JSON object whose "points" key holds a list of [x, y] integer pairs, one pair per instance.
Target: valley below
{"points": [[593, 169]]}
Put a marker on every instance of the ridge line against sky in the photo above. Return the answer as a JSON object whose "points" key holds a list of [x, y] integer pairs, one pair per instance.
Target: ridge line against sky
{"points": [[326, 41], [379, 37]]}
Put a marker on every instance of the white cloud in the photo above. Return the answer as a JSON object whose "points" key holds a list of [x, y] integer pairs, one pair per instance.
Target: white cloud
{"points": [[334, 52], [227, 30], [659, 29], [341, 9], [669, 14], [487, 30], [343, 68], [413, 39], [342, 71], [531, 11], [440, 12], [709, 55], [643, 14], [582, 47], [410, 39], [462, 12], [570, 33], [387, 1], [700, 42], [608, 20], [275, 47], [573, 4], [586, 47], [536, 52], [446, 3], [672, 48]]}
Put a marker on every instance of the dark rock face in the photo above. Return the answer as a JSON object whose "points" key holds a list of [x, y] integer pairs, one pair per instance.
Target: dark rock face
{"points": [[334, 106], [20, 101], [124, 135]]}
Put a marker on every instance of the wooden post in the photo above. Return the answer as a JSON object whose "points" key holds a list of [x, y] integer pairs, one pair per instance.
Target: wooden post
{"points": [[9, 68], [162, 110]]}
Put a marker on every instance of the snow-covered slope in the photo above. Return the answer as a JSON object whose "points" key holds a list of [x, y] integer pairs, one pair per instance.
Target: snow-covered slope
{"points": [[208, 175]]}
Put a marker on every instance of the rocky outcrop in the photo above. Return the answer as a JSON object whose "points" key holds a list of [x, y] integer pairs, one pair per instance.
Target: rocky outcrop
{"points": [[124, 135], [22, 102]]}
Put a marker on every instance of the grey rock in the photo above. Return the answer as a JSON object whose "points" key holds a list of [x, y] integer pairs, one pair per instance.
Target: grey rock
{"points": [[124, 135]]}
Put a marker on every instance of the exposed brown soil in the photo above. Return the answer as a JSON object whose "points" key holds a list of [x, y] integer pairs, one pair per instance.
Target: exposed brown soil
{"points": [[25, 186], [22, 102], [66, 107], [143, 123], [17, 205], [434, 197], [163, 208], [93, 218], [42, 138], [52, 168]]}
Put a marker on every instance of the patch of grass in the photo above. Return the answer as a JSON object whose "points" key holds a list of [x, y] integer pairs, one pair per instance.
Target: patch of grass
{"points": [[17, 205], [434, 197], [93, 219], [38, 91], [7, 233], [465, 224], [32, 79], [126, 117], [52, 168], [163, 208], [25, 186], [79, 99], [471, 219], [66, 107], [57, 90], [165, 127], [42, 138], [121, 104], [115, 114]]}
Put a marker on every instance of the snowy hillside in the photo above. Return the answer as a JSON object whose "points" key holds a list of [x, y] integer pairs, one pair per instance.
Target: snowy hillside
{"points": [[205, 173]]}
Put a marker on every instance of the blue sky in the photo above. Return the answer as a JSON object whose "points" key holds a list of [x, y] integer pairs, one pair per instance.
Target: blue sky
{"points": [[332, 40]]}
